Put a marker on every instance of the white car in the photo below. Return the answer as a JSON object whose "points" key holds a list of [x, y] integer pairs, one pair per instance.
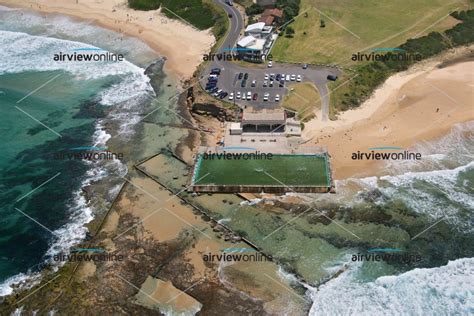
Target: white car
{"points": [[265, 83], [249, 95], [293, 77], [265, 96], [231, 96], [270, 64], [287, 78], [298, 78], [237, 96], [277, 98], [266, 76]]}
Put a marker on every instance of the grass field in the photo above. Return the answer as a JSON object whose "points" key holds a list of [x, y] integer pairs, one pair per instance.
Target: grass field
{"points": [[304, 99], [373, 23], [281, 170]]}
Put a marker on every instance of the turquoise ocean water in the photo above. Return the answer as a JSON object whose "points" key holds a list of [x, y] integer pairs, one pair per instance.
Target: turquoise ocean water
{"points": [[78, 104]]}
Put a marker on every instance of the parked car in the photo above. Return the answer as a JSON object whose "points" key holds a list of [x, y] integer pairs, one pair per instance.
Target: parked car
{"points": [[293, 77], [287, 78], [271, 84], [229, 2], [241, 75], [278, 77], [331, 77], [216, 71], [213, 90], [298, 78], [266, 77], [277, 98], [231, 96], [237, 95], [265, 83], [265, 96], [244, 83], [249, 95], [255, 96], [282, 83], [282, 76], [223, 95], [246, 76], [305, 66], [270, 64], [254, 83], [272, 76]]}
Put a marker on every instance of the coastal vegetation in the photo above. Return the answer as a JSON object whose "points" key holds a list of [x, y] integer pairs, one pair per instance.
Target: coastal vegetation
{"points": [[197, 12], [374, 73], [290, 9]]}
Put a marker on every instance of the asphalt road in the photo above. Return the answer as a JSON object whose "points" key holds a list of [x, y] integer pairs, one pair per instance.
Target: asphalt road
{"points": [[228, 79]]}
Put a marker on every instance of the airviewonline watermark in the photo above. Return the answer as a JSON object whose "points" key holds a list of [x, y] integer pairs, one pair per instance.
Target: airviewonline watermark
{"points": [[88, 54], [257, 155], [386, 54], [237, 255], [387, 255], [88, 153], [397, 153], [88, 254], [235, 54]]}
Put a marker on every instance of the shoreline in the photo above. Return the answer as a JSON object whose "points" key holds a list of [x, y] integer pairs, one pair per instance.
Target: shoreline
{"points": [[181, 44], [396, 113]]}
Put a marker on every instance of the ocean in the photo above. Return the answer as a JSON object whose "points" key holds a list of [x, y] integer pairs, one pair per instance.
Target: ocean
{"points": [[80, 105], [439, 188], [92, 104]]}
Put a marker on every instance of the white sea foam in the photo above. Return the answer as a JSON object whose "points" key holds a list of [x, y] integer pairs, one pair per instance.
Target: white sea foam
{"points": [[446, 290], [35, 53]]}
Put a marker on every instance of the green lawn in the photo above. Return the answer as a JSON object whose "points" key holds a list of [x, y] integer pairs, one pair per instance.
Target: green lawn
{"points": [[281, 170], [377, 23]]}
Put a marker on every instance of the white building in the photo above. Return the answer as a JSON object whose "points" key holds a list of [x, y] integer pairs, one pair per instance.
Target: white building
{"points": [[256, 43]]}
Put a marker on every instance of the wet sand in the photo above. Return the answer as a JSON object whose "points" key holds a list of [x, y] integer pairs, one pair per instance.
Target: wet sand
{"points": [[419, 105]]}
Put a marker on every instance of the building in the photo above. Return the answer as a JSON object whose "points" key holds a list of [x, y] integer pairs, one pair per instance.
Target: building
{"points": [[271, 16], [258, 30], [264, 121], [252, 49], [256, 43]]}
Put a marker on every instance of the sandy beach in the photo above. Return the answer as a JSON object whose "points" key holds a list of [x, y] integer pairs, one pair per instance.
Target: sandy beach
{"points": [[182, 44], [418, 105]]}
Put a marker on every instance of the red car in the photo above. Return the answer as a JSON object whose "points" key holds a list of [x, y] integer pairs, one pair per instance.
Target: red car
{"points": [[255, 95]]}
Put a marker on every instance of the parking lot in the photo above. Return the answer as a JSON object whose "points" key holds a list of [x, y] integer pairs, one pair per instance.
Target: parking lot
{"points": [[259, 82]]}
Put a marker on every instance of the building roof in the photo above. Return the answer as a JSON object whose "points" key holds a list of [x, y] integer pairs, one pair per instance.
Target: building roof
{"points": [[246, 41], [273, 12], [264, 117], [235, 126], [259, 44], [255, 27], [268, 19]]}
